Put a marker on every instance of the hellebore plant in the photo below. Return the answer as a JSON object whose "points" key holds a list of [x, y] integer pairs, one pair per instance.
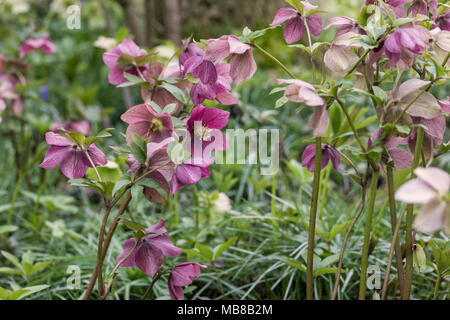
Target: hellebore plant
{"points": [[389, 61]]}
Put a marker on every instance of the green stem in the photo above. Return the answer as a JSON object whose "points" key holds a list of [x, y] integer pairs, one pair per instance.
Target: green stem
{"points": [[312, 221], [219, 281], [14, 197], [436, 287], [409, 221], [324, 190], [393, 212], [352, 126], [100, 248], [367, 231], [270, 56], [310, 49]]}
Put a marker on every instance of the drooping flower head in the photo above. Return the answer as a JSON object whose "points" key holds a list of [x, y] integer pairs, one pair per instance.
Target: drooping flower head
{"points": [[149, 253], [32, 44], [402, 158], [403, 43], [329, 153], [125, 59], [423, 7], [430, 189], [182, 275], [295, 27], [443, 21], [147, 123], [73, 159]]}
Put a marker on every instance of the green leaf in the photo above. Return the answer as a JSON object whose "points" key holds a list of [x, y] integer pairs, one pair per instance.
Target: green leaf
{"points": [[22, 293], [123, 181], [297, 5], [3, 294], [281, 102], [293, 263], [300, 46], [40, 265], [328, 260], [419, 258], [17, 294], [28, 257], [133, 226], [8, 228], [150, 183], [7, 270], [138, 148], [175, 91], [204, 251], [221, 248], [170, 108], [325, 270], [12, 259]]}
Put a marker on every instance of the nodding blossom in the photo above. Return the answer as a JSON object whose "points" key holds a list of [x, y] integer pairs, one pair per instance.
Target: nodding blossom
{"points": [[32, 44], [129, 51], [82, 126], [73, 158], [295, 26], [404, 43], [182, 275], [148, 254], [329, 153], [431, 190], [423, 7]]}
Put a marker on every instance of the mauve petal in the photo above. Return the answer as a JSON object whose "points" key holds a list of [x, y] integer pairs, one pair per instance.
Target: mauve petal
{"points": [[176, 293], [141, 129], [431, 217], [243, 66], [335, 157], [340, 22], [191, 64], [314, 22], [410, 86], [292, 92], [152, 194], [325, 159], [136, 114], [319, 121], [412, 39], [418, 7], [110, 57], [282, 15], [133, 164], [56, 140], [166, 246], [115, 76], [436, 178], [149, 259], [310, 97], [445, 105], [74, 165], [339, 58], [217, 50], [415, 191], [308, 6], [308, 156], [435, 128], [402, 158], [174, 184], [97, 156], [214, 118], [236, 46], [184, 273], [206, 71], [392, 43], [293, 31], [54, 155], [127, 246], [129, 47], [226, 98], [158, 228], [188, 174], [82, 126]]}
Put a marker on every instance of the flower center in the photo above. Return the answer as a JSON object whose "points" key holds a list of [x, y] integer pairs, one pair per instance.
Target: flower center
{"points": [[203, 133], [155, 125]]}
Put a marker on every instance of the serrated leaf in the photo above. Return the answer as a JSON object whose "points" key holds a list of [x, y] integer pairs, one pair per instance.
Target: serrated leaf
{"points": [[40, 265]]}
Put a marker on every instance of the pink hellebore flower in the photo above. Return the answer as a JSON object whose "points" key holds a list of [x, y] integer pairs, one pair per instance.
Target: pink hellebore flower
{"points": [[430, 189], [329, 153], [147, 123], [398, 6], [150, 251], [445, 105], [111, 59], [32, 44], [243, 65], [190, 172], [182, 275], [422, 7], [204, 127], [434, 133], [443, 21], [402, 158], [402, 42], [294, 29], [82, 126], [162, 168], [74, 162]]}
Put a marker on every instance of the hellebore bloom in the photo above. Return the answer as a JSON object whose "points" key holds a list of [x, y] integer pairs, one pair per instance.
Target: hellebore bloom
{"points": [[204, 127], [73, 159], [129, 50], [243, 65], [149, 253], [147, 123], [190, 172], [162, 168], [426, 106], [445, 105], [430, 189], [441, 45], [293, 31], [422, 7], [398, 6], [402, 158], [402, 42], [443, 21], [32, 44], [182, 275], [434, 133], [329, 153], [82, 126]]}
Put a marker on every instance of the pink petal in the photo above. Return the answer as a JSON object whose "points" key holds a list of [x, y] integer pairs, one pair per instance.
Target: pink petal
{"points": [[217, 50], [149, 259], [243, 66], [436, 178], [402, 158], [166, 246], [57, 140], [74, 165], [158, 228], [97, 156], [110, 57], [319, 121], [206, 71], [431, 217], [314, 22], [176, 293], [139, 113], [54, 155], [445, 105], [294, 30], [282, 15], [415, 191], [127, 246]]}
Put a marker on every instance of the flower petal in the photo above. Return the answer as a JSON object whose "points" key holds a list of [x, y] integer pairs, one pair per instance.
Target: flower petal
{"points": [[149, 259], [293, 31], [415, 191]]}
